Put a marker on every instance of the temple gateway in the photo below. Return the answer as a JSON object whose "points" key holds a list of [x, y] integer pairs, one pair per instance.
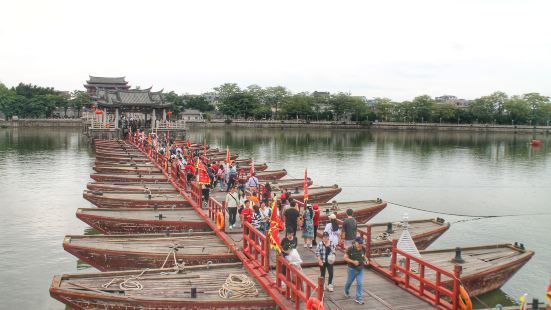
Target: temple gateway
{"points": [[117, 108]]}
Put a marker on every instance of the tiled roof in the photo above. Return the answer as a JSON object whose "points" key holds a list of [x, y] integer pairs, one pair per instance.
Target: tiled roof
{"points": [[132, 97], [106, 80]]}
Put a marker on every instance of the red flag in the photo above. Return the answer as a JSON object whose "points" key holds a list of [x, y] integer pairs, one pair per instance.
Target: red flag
{"points": [[305, 185], [205, 149], [188, 143], [549, 291], [202, 174], [227, 155], [251, 170], [275, 225]]}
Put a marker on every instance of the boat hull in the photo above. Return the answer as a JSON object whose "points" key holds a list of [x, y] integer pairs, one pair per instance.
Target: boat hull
{"points": [[109, 202], [112, 260], [128, 170], [128, 178], [361, 215], [114, 225]]}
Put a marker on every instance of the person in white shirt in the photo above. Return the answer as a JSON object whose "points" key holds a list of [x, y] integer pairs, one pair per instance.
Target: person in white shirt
{"points": [[252, 181], [232, 203]]}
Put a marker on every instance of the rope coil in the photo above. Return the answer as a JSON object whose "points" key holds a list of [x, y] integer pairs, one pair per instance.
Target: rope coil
{"points": [[238, 286]]}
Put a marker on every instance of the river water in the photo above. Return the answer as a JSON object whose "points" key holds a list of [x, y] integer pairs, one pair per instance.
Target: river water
{"points": [[43, 173]]}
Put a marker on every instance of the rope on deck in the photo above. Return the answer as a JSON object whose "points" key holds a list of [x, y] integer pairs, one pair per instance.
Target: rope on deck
{"points": [[238, 286]]}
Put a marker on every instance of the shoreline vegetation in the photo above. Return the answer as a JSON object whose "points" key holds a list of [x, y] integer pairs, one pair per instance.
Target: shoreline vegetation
{"points": [[220, 123], [230, 102]]}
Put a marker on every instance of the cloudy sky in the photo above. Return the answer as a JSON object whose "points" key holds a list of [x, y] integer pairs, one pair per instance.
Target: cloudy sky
{"points": [[396, 49]]}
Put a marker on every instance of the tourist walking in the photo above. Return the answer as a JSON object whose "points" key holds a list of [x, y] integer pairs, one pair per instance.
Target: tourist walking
{"points": [[232, 175], [256, 220], [221, 176], [349, 228], [333, 229], [232, 203], [316, 209], [355, 258], [325, 253], [247, 213], [266, 213], [308, 227], [252, 182], [291, 217]]}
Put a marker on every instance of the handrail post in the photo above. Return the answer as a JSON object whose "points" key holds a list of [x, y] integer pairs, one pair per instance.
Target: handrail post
{"points": [[457, 274], [266, 254], [437, 290], [407, 273], [320, 291], [368, 241], [245, 237], [393, 258]]}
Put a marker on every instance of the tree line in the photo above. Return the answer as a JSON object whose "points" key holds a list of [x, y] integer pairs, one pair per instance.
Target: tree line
{"points": [[32, 101], [277, 102]]}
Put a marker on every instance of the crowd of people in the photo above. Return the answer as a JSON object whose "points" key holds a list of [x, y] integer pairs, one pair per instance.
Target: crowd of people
{"points": [[248, 200]]}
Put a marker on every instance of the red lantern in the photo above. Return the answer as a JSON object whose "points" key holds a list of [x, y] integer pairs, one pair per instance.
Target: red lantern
{"points": [[99, 112], [169, 113]]}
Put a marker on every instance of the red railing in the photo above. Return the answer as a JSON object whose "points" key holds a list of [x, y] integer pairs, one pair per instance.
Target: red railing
{"points": [[256, 246], [215, 207], [298, 286], [441, 289], [196, 193]]}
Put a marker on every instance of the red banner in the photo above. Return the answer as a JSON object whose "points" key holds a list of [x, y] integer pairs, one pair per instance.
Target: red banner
{"points": [[228, 155], [276, 224], [251, 170], [202, 174]]}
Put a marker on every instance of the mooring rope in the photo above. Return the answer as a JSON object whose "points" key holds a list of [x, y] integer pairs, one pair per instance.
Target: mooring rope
{"points": [[129, 284], [238, 286], [476, 217]]}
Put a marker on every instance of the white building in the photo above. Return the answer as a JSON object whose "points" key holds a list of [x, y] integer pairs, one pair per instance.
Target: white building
{"points": [[192, 115]]}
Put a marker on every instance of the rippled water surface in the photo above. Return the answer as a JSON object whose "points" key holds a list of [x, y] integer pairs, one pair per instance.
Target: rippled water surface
{"points": [[43, 173]]}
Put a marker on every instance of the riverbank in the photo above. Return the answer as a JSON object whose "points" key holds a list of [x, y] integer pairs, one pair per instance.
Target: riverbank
{"points": [[375, 126], [42, 122]]}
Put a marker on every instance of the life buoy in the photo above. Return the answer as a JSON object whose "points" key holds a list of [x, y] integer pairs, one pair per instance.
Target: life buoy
{"points": [[464, 299], [314, 304], [220, 220]]}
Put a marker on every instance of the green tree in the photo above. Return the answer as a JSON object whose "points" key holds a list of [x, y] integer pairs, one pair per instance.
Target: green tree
{"points": [[383, 109], [7, 101], [275, 96], [199, 103], [258, 92], [537, 104], [446, 112], [79, 99], [227, 90], [298, 105], [517, 109], [241, 103], [421, 108], [178, 102]]}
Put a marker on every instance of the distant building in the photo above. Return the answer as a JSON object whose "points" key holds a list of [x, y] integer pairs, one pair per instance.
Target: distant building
{"points": [[321, 94], [96, 83], [192, 115], [448, 99], [212, 98]]}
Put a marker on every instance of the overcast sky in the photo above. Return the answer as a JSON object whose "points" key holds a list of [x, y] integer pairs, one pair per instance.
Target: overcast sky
{"points": [[396, 49]]}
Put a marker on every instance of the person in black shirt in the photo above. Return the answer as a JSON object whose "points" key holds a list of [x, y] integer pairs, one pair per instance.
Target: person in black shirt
{"points": [[291, 217], [289, 242]]}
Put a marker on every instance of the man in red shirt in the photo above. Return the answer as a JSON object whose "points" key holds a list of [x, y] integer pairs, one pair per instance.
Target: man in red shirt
{"points": [[316, 221], [247, 213]]}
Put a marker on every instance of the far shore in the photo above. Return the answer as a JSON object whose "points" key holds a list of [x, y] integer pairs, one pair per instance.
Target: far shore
{"points": [[392, 126]]}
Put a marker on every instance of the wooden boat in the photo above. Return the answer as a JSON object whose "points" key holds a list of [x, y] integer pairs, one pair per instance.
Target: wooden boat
{"points": [[134, 200], [124, 164], [161, 289], [131, 169], [364, 210], [257, 167], [244, 161], [142, 187], [142, 220], [222, 157], [267, 175], [423, 232], [485, 268], [316, 194], [129, 252], [122, 158], [289, 183], [105, 177]]}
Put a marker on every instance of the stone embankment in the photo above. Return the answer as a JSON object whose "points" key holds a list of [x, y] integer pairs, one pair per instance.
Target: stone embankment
{"points": [[43, 122], [375, 126]]}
